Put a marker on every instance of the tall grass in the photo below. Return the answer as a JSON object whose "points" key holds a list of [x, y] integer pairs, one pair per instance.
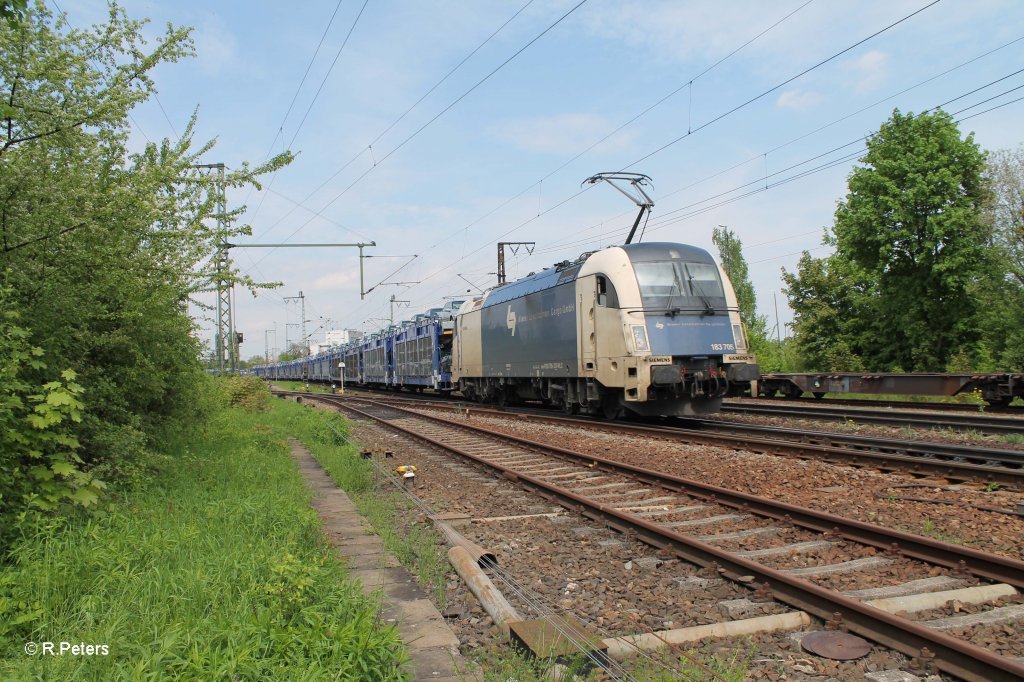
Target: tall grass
{"points": [[216, 569], [416, 545]]}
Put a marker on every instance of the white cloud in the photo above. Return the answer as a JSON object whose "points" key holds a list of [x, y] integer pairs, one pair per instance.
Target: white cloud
{"points": [[216, 46], [798, 99], [336, 279], [678, 31], [563, 133], [869, 70]]}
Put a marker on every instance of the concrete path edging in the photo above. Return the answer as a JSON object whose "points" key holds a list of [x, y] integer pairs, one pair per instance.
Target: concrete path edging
{"points": [[433, 647]]}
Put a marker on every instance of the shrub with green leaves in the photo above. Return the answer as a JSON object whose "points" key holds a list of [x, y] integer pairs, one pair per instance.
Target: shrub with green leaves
{"points": [[40, 467], [216, 570]]}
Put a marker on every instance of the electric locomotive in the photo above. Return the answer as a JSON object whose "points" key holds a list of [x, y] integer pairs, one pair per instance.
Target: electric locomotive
{"points": [[649, 328]]}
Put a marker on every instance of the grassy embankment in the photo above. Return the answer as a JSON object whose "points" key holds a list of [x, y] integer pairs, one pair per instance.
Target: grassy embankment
{"points": [[413, 541], [215, 568]]}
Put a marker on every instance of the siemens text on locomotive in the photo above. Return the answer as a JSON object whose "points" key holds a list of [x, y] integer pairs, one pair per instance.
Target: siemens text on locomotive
{"points": [[647, 329]]}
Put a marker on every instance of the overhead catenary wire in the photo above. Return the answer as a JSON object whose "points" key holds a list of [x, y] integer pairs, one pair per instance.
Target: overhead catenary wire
{"points": [[621, 127], [439, 115], [327, 75], [660, 221], [316, 95], [369, 146], [527, 189], [783, 181], [772, 89], [295, 96], [653, 221], [707, 124], [508, 201]]}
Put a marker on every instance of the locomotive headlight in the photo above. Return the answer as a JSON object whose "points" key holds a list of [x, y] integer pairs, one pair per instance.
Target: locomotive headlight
{"points": [[739, 337], [640, 338]]}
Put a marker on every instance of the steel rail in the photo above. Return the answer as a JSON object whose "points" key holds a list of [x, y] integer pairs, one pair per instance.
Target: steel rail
{"points": [[952, 655], [916, 457], [1013, 459], [974, 422], [866, 403]]}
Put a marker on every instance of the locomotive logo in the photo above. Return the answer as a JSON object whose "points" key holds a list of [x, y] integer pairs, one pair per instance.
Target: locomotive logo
{"points": [[510, 320]]}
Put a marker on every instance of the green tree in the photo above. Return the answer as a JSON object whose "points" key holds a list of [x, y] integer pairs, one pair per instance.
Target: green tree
{"points": [[101, 248], [772, 355], [911, 247], [1003, 296], [828, 296], [1005, 175], [730, 251], [13, 11]]}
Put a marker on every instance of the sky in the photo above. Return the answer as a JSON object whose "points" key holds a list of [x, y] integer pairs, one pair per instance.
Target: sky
{"points": [[438, 129]]}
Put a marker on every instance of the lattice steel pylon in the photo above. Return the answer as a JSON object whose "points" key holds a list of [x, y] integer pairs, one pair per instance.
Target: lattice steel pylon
{"points": [[225, 340]]}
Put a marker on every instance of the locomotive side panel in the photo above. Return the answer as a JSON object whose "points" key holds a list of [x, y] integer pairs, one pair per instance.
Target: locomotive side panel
{"points": [[531, 336], [467, 358], [606, 289]]}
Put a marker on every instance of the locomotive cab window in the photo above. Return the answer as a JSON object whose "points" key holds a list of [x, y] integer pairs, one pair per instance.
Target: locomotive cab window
{"points": [[606, 293], [680, 286]]}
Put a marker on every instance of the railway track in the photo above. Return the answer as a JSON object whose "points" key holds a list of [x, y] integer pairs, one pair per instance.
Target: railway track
{"points": [[1016, 411], [959, 463], [958, 422], [698, 522]]}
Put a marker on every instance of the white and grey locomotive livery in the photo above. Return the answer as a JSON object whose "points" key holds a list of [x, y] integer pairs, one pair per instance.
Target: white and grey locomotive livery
{"points": [[649, 328]]}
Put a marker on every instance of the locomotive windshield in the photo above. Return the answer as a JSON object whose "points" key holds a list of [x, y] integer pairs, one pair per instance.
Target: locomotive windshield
{"points": [[678, 286]]}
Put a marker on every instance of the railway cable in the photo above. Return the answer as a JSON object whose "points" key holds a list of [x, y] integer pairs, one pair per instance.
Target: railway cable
{"points": [[536, 603], [316, 95], [533, 600], [952, 654], [577, 156], [883, 494], [759, 183], [437, 272], [687, 85], [718, 173], [749, 41], [779, 85], [529, 597], [599, 142], [560, 245], [287, 113], [301, 204], [813, 170], [701, 210], [432, 120], [694, 130]]}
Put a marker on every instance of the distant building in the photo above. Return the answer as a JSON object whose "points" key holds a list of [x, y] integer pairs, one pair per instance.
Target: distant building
{"points": [[335, 337], [339, 337]]}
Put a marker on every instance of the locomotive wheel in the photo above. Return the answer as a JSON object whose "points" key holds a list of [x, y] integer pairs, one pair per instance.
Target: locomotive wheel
{"points": [[570, 408], [611, 410], [770, 393], [819, 394]]}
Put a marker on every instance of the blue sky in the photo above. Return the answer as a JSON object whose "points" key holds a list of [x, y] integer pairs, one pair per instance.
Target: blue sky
{"points": [[506, 161]]}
